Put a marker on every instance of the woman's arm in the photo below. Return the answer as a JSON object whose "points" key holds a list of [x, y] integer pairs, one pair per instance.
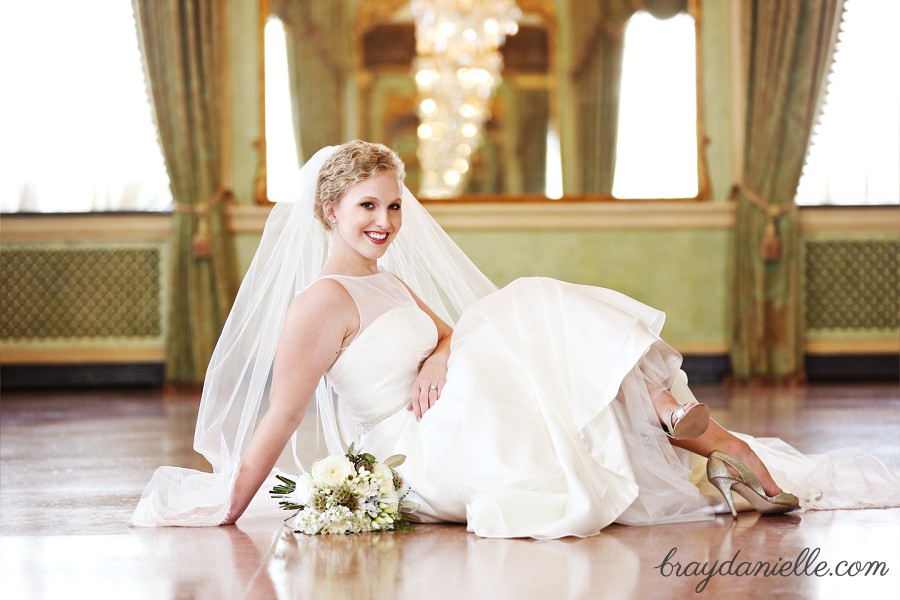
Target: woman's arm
{"points": [[314, 329], [433, 371]]}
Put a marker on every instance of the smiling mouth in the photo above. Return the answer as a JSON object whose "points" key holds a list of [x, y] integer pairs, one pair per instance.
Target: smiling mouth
{"points": [[377, 236]]}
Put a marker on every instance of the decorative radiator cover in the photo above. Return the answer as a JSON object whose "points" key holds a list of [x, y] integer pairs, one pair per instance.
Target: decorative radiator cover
{"points": [[96, 303], [852, 286]]}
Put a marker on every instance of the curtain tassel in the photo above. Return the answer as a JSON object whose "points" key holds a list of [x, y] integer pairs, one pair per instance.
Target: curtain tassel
{"points": [[201, 241], [201, 244], [770, 247]]}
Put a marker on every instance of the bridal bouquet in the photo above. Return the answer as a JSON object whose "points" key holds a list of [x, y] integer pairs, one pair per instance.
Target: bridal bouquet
{"points": [[347, 494]]}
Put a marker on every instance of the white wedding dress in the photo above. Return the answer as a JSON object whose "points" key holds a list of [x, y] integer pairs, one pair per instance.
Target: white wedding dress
{"points": [[544, 427]]}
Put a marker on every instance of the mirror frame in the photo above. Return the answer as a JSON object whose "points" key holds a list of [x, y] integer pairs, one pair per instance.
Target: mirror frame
{"points": [[703, 185]]}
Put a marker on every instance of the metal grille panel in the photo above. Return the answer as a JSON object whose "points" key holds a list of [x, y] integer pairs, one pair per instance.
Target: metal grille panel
{"points": [[852, 285], [80, 293]]}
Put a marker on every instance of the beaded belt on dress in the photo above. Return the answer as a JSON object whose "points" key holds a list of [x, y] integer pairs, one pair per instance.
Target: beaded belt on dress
{"points": [[364, 426]]}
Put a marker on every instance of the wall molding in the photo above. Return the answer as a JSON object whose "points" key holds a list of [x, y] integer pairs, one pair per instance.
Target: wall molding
{"points": [[546, 215], [119, 352], [861, 346], [76, 353], [849, 219], [247, 218], [88, 227], [708, 347], [130, 352]]}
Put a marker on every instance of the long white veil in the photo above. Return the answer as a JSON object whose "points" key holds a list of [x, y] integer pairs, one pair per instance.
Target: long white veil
{"points": [[291, 254]]}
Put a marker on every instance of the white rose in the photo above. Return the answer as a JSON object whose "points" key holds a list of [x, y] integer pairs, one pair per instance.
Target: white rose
{"points": [[332, 470], [386, 485], [303, 493]]}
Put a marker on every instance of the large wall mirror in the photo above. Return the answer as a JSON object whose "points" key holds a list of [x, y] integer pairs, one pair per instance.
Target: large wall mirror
{"points": [[596, 100]]}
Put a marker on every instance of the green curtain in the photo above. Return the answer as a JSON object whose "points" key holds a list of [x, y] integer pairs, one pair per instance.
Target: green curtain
{"points": [[789, 46], [531, 147], [180, 42], [598, 30], [318, 53]]}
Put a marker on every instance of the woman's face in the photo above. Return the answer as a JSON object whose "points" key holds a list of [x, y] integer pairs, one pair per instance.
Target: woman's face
{"points": [[368, 215]]}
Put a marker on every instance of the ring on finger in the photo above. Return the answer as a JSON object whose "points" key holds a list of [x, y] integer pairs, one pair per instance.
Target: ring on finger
{"points": [[433, 387]]}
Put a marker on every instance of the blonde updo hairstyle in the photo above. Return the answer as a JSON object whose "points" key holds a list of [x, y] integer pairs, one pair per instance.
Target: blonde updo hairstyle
{"points": [[352, 163]]}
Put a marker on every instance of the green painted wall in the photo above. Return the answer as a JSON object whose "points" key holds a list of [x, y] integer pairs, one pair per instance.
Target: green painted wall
{"points": [[684, 273]]}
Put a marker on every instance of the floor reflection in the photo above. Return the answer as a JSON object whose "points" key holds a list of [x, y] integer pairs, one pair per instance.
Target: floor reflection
{"points": [[445, 562]]}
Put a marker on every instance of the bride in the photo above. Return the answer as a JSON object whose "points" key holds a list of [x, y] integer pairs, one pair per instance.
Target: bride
{"points": [[551, 409]]}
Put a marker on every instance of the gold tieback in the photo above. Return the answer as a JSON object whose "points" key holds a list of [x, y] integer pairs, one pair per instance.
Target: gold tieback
{"points": [[770, 247], [201, 242]]}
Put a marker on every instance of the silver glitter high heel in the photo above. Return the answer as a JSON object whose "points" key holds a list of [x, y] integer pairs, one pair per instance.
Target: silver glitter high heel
{"points": [[746, 484]]}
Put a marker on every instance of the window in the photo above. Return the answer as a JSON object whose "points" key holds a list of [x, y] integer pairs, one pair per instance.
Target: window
{"points": [[78, 131], [282, 160], [553, 186], [854, 153], [656, 149]]}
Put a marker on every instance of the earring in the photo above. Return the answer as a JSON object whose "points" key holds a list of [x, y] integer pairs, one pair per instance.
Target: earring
{"points": [[334, 221]]}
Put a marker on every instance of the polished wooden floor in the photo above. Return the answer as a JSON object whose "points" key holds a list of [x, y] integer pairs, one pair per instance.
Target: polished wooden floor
{"points": [[74, 464]]}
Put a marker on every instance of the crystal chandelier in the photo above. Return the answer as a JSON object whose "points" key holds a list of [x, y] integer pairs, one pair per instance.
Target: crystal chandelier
{"points": [[457, 70]]}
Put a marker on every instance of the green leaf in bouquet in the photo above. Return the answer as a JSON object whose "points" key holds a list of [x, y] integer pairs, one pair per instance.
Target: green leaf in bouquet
{"points": [[395, 460], [286, 481], [279, 491], [368, 457]]}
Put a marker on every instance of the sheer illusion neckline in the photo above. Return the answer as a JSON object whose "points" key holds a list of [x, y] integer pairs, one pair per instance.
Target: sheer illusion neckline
{"points": [[381, 271], [374, 297]]}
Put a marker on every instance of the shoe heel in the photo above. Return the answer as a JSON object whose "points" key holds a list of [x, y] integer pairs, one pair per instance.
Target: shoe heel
{"points": [[691, 421], [724, 486]]}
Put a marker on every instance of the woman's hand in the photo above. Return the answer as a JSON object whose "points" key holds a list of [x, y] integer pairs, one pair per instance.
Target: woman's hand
{"points": [[428, 385]]}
